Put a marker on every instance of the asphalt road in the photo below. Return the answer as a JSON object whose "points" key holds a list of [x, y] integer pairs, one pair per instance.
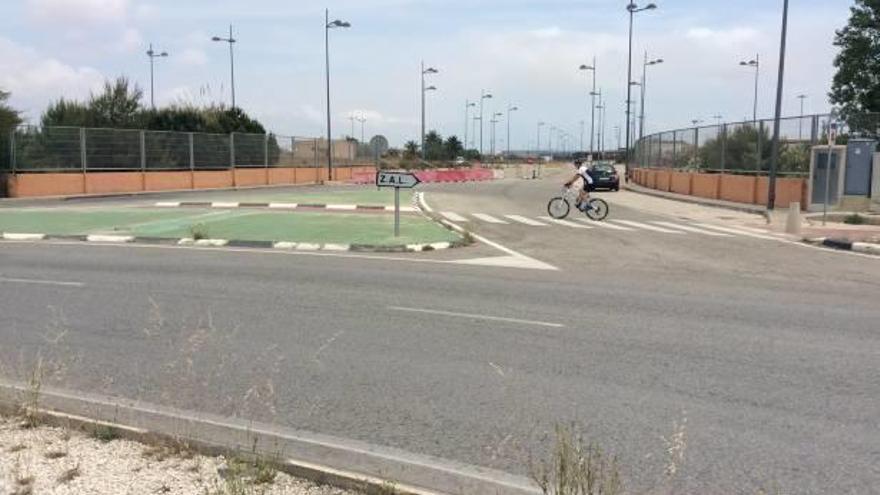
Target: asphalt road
{"points": [[767, 350]]}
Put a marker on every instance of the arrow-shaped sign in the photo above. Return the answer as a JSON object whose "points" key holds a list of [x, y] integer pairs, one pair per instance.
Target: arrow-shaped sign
{"points": [[403, 180]]}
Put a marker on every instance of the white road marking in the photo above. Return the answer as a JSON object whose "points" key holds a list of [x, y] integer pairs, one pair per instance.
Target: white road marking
{"points": [[453, 217], [341, 207], [24, 237], [59, 283], [283, 206], [526, 221], [604, 225], [687, 228], [640, 225], [489, 218], [754, 230], [736, 231], [565, 223], [476, 317], [223, 204]]}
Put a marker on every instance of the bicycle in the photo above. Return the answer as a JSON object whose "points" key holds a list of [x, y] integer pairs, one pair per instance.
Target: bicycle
{"points": [[560, 206]]}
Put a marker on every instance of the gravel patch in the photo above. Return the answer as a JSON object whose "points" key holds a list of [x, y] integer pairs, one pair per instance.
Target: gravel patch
{"points": [[49, 460]]}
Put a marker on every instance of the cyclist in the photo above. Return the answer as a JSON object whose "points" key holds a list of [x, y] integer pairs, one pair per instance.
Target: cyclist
{"points": [[583, 172]]}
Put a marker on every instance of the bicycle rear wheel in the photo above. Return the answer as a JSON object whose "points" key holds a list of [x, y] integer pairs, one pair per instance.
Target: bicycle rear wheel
{"points": [[558, 208], [599, 209]]}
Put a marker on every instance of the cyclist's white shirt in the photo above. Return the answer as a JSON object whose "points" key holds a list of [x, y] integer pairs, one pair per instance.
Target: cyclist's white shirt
{"points": [[583, 172]]}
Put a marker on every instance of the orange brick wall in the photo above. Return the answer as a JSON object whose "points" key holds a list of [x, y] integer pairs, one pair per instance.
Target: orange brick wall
{"points": [[306, 175], [706, 185], [35, 185], [282, 176], [167, 181], [342, 174], [662, 181], [114, 182], [738, 188], [787, 191], [680, 182], [250, 177], [212, 179]]}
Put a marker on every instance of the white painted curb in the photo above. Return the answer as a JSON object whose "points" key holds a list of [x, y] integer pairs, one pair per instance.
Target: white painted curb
{"points": [[110, 238], [24, 237], [168, 204], [336, 247], [221, 204], [341, 207], [283, 206], [866, 247], [203, 242]]}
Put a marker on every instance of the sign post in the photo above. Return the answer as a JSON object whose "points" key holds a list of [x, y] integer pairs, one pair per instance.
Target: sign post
{"points": [[397, 180], [832, 137]]}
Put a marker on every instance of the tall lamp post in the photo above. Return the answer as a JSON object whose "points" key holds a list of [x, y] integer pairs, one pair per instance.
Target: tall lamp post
{"points": [[483, 97], [633, 9], [538, 145], [153, 55], [231, 40], [647, 63], [718, 119], [467, 119], [780, 79], [363, 120], [593, 94], [424, 72], [756, 63], [493, 122], [801, 119], [510, 109], [550, 140], [337, 24]]}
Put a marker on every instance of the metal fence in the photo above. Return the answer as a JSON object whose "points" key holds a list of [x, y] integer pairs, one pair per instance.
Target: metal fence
{"points": [[67, 149], [746, 147]]}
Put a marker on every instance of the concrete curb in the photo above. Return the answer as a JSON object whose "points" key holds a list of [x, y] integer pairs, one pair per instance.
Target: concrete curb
{"points": [[846, 245], [280, 206], [756, 210], [236, 243], [324, 459]]}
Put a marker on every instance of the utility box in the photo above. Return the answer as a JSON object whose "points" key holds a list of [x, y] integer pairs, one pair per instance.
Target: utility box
{"points": [[859, 165], [826, 177]]}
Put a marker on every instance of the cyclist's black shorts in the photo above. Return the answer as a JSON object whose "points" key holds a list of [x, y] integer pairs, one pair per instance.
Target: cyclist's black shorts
{"points": [[589, 187]]}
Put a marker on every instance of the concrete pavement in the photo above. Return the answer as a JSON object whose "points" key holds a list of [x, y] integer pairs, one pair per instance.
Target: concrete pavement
{"points": [[768, 348]]}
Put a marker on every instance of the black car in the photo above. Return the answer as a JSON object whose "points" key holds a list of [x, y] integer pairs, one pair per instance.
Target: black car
{"points": [[605, 177]]}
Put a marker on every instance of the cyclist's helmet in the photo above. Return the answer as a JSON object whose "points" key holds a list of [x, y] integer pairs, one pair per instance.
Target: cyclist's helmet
{"points": [[578, 162]]}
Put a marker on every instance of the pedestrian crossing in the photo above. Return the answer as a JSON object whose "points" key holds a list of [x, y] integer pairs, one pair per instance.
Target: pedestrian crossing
{"points": [[664, 227]]}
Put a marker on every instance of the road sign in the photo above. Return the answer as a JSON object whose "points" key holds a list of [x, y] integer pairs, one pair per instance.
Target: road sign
{"points": [[396, 180]]}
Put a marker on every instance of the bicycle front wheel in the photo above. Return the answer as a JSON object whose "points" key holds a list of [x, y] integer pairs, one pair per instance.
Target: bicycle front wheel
{"points": [[598, 211], [558, 208]]}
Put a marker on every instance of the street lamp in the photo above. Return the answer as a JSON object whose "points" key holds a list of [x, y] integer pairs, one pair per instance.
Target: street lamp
{"points": [[780, 78], [467, 119], [756, 63], [362, 119], [550, 140], [509, 110], [424, 71], [483, 96], [337, 24], [647, 64], [633, 9], [153, 55], [231, 40], [696, 122], [801, 120], [593, 94], [718, 119], [581, 147], [492, 134], [538, 145]]}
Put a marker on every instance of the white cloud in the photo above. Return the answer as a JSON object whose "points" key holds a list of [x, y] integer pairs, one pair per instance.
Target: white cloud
{"points": [[78, 11], [130, 40], [36, 80], [191, 56]]}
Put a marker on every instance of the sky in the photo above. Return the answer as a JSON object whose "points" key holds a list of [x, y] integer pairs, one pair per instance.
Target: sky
{"points": [[526, 53]]}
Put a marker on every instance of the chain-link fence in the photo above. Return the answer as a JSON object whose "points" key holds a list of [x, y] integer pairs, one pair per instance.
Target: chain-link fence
{"points": [[746, 147], [64, 149]]}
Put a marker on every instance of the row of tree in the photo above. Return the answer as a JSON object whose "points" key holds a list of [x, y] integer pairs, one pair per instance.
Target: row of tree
{"points": [[438, 149]]}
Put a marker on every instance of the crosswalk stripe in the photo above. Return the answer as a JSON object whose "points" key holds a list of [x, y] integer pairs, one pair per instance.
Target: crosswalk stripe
{"points": [[754, 230], [489, 218], [526, 221], [736, 231], [605, 225], [687, 228], [640, 225], [565, 223], [452, 216]]}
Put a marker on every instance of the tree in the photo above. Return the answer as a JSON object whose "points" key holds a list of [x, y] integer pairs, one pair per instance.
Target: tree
{"points": [[740, 150], [856, 85], [410, 150], [434, 146], [9, 117], [453, 148], [67, 113], [118, 106]]}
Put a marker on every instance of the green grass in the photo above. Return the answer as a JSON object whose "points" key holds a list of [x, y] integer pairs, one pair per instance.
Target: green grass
{"points": [[250, 225]]}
